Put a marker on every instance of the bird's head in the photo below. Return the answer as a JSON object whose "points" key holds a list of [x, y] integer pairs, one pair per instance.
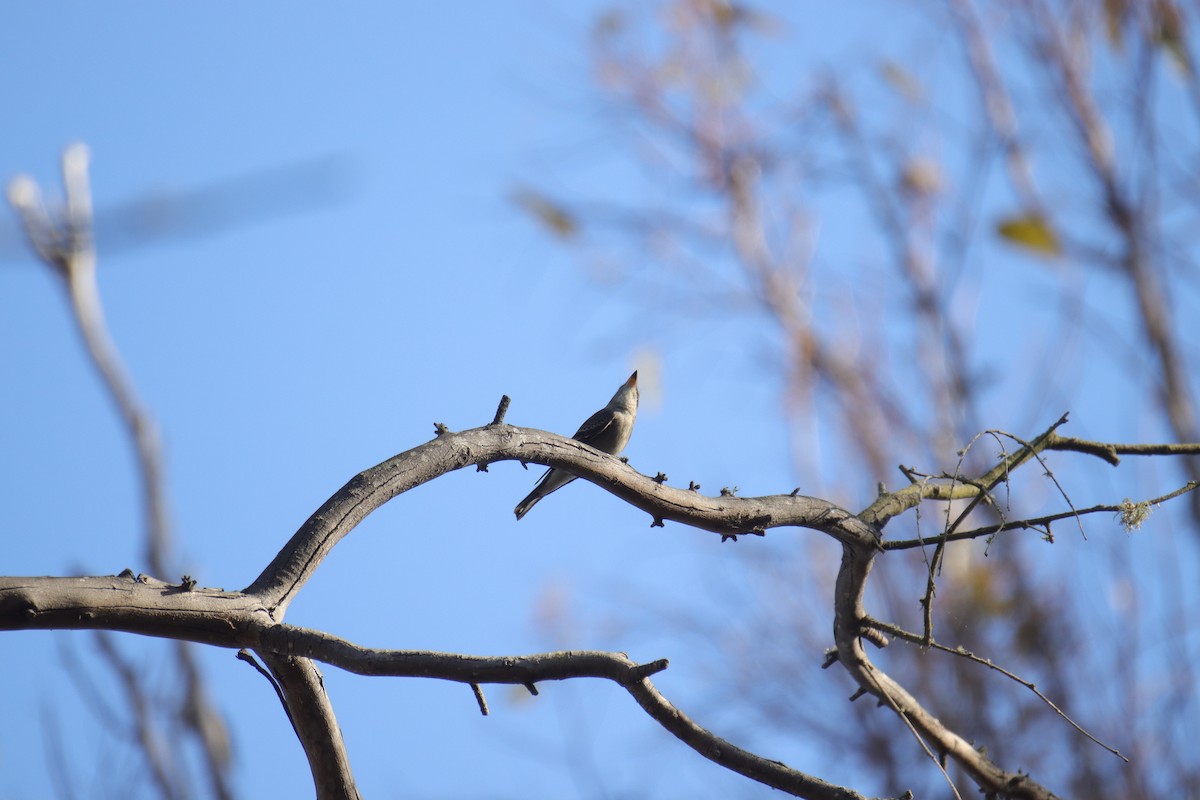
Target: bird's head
{"points": [[626, 397]]}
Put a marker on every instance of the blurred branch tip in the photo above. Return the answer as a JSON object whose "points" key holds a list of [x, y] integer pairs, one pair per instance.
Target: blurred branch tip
{"points": [[177, 214]]}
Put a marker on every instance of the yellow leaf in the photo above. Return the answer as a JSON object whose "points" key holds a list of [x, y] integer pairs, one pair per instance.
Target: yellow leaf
{"points": [[1031, 231], [557, 219]]}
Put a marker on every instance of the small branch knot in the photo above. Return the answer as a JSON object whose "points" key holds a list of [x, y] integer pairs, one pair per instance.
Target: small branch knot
{"points": [[660, 478], [440, 429]]}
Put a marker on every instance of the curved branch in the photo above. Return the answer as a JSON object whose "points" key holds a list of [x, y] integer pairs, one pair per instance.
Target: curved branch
{"points": [[312, 716], [236, 620], [727, 515], [251, 618], [283, 578], [849, 628]]}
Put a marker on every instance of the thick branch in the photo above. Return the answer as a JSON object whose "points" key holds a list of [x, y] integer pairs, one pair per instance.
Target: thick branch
{"points": [[370, 489], [142, 605], [250, 619], [316, 726], [235, 620]]}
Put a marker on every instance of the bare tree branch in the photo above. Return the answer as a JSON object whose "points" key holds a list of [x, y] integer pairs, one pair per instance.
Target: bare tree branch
{"points": [[159, 757], [316, 726], [848, 626], [917, 639], [233, 620], [367, 491], [66, 245], [251, 618], [1038, 523]]}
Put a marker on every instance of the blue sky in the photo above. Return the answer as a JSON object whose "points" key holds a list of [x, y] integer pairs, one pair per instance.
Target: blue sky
{"points": [[282, 354], [364, 275]]}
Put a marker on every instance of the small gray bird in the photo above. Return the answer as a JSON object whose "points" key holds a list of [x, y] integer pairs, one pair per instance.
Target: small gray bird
{"points": [[608, 430]]}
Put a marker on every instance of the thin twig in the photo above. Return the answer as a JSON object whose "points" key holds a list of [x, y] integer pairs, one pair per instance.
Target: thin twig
{"points": [[1037, 522], [939, 763], [1050, 474], [1111, 452], [912, 638], [248, 657]]}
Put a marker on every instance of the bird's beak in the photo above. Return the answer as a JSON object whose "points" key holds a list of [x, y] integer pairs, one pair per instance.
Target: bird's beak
{"points": [[632, 380]]}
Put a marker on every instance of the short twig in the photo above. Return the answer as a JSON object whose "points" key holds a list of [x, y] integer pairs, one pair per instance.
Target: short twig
{"points": [[479, 698], [501, 410]]}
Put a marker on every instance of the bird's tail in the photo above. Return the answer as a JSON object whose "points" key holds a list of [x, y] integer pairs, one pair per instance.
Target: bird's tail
{"points": [[551, 481], [529, 502]]}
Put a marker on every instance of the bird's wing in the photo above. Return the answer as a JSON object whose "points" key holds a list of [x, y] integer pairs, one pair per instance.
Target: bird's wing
{"points": [[542, 479], [595, 425]]}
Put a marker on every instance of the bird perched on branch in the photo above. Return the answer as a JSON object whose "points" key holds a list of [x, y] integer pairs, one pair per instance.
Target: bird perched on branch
{"points": [[608, 430]]}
